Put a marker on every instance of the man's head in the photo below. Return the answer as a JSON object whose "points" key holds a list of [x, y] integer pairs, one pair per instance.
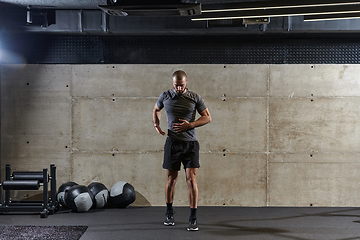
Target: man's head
{"points": [[179, 80]]}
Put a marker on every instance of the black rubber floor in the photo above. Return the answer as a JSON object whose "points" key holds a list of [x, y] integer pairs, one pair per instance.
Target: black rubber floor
{"points": [[214, 223]]}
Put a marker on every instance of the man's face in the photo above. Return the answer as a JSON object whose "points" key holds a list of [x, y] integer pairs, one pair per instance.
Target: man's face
{"points": [[179, 85]]}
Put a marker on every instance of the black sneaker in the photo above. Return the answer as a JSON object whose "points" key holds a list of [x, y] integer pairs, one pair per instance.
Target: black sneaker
{"points": [[169, 218], [192, 225]]}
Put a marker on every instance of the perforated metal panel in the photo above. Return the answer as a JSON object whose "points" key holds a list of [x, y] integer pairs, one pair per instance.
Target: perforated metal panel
{"points": [[195, 49]]}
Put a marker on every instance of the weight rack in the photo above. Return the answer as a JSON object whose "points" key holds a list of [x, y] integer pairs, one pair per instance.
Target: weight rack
{"points": [[30, 181]]}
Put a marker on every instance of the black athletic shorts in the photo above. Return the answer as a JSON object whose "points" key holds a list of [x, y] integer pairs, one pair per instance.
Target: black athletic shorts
{"points": [[177, 152]]}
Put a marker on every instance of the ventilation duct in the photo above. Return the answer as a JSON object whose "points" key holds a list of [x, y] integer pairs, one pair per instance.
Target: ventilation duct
{"points": [[157, 9]]}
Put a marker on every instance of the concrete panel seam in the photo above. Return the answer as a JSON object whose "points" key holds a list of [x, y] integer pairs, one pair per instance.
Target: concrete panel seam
{"points": [[311, 152], [267, 135], [34, 97], [155, 98], [317, 97], [112, 97], [71, 122], [232, 152], [315, 163], [76, 150]]}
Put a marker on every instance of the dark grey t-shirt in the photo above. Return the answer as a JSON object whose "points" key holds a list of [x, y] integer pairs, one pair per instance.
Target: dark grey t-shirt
{"points": [[182, 106]]}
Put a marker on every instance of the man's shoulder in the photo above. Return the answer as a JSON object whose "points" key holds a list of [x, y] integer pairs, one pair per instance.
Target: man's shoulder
{"points": [[191, 92], [193, 95], [167, 93]]}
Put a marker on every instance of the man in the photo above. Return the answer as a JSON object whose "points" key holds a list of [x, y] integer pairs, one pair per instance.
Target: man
{"points": [[181, 145]]}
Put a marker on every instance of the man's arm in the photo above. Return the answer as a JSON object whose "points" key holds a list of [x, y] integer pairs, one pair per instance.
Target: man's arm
{"points": [[185, 125], [156, 119]]}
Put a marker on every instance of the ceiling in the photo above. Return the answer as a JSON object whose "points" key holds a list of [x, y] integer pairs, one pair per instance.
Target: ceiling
{"points": [[93, 4], [217, 17]]}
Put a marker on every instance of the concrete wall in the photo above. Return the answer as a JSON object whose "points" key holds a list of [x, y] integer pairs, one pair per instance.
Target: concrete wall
{"points": [[281, 135]]}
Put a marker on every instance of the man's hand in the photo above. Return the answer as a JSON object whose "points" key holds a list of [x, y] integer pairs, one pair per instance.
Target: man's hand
{"points": [[183, 126], [158, 129]]}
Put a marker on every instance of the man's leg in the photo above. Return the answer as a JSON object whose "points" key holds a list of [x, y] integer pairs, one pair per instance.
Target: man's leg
{"points": [[193, 197], [192, 186], [172, 177]]}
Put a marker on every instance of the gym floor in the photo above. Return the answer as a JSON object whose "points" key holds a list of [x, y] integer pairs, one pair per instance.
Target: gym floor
{"points": [[214, 223]]}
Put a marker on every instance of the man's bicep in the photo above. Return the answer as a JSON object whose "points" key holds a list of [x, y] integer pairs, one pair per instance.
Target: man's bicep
{"points": [[158, 106], [160, 102], [206, 112]]}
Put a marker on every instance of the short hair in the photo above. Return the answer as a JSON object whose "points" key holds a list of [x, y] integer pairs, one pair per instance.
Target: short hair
{"points": [[179, 74]]}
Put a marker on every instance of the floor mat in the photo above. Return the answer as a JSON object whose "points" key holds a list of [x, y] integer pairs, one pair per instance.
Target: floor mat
{"points": [[41, 232]]}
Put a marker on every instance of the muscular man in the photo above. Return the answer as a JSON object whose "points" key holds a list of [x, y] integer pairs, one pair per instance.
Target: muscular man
{"points": [[181, 145]]}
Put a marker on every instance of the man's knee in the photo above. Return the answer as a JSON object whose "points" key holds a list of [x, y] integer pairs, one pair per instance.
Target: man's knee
{"points": [[192, 183], [172, 177], [191, 178]]}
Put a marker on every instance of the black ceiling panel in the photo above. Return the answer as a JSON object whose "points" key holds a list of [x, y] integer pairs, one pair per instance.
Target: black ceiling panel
{"points": [[198, 49]]}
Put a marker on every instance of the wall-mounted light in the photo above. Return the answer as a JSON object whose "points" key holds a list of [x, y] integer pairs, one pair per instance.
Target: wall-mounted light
{"points": [[312, 18], [0, 51], [246, 6], [279, 12], [28, 15]]}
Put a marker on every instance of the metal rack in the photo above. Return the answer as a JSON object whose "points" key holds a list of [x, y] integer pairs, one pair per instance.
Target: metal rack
{"points": [[30, 181]]}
